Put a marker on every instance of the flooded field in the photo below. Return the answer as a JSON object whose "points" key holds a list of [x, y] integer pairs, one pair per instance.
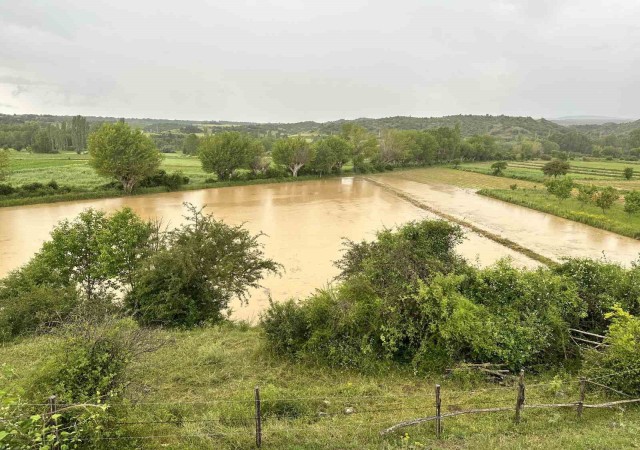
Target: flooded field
{"points": [[545, 234], [304, 223]]}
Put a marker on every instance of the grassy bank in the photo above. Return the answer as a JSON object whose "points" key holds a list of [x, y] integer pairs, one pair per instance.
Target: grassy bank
{"points": [[615, 219], [196, 392]]}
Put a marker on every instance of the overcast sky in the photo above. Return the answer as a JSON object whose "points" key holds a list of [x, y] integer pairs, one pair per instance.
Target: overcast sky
{"points": [[285, 60]]}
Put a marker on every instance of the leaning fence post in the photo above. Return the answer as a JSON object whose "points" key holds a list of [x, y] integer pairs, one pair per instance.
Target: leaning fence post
{"points": [[258, 418], [583, 383], [53, 407], [521, 396], [438, 415]]}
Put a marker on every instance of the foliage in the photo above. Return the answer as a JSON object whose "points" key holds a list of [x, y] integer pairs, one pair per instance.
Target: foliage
{"points": [[498, 167], [98, 252], [561, 188], [605, 198], [556, 167], [407, 297], [293, 152], [161, 178], [224, 152], [628, 173], [116, 150], [198, 269], [4, 164], [190, 144], [621, 355], [331, 153], [586, 193], [257, 158], [632, 202]]}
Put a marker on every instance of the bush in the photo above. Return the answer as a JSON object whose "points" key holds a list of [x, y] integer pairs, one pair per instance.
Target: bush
{"points": [[199, 268], [161, 178], [621, 356]]}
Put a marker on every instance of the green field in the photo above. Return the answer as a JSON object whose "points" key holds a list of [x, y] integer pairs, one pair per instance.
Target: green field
{"points": [[71, 169], [202, 382], [602, 173]]}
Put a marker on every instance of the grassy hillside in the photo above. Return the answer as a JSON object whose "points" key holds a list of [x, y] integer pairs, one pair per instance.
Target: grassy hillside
{"points": [[196, 392]]}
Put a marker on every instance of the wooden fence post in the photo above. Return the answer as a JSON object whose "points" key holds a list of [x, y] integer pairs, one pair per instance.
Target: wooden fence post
{"points": [[583, 383], [438, 415], [258, 418], [53, 407], [521, 396]]}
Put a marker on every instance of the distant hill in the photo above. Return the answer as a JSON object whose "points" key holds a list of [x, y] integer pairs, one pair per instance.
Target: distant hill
{"points": [[618, 129], [589, 120]]}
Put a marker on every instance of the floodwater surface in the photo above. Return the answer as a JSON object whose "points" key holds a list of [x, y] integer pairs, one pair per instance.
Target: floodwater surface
{"points": [[545, 234], [304, 223]]}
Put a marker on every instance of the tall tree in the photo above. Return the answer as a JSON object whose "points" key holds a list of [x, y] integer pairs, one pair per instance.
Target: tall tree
{"points": [[364, 145], [223, 153], [293, 152], [116, 150], [79, 133], [190, 144]]}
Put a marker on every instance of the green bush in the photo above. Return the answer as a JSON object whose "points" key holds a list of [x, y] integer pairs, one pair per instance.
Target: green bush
{"points": [[619, 361]]}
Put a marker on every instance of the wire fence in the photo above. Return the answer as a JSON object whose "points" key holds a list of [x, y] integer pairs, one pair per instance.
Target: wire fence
{"points": [[262, 418]]}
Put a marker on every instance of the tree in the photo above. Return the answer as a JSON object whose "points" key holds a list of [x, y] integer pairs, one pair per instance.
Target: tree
{"points": [[98, 252], [555, 168], [293, 152], [223, 153], [586, 193], [632, 202], [633, 140], [498, 167], [561, 188], [259, 162], [79, 133], [628, 172], [606, 198], [4, 164], [331, 153], [202, 266], [364, 145], [116, 150], [190, 144]]}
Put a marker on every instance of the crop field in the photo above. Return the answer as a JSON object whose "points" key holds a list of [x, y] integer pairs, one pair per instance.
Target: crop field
{"points": [[602, 173], [71, 169], [460, 178]]}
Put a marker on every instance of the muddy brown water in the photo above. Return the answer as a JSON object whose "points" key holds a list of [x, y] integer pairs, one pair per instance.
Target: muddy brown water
{"points": [[545, 234], [304, 224]]}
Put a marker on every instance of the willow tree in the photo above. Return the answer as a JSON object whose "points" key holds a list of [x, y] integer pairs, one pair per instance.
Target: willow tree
{"points": [[119, 151]]}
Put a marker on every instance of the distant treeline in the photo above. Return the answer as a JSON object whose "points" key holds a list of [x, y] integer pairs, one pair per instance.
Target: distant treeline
{"points": [[503, 137]]}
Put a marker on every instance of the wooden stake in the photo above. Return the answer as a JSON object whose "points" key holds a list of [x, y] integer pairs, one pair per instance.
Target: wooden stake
{"points": [[521, 396], [53, 407], [583, 383], [438, 414], [258, 418]]}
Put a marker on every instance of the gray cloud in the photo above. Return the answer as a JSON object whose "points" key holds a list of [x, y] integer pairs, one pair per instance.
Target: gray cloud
{"points": [[289, 60]]}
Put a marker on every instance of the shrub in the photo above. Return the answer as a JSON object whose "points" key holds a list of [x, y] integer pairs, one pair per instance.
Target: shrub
{"points": [[498, 167], [632, 202], [162, 178], [621, 356], [6, 189], [200, 267], [560, 188]]}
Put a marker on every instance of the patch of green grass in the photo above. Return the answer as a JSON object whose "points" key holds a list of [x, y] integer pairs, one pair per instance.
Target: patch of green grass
{"points": [[614, 219], [202, 384]]}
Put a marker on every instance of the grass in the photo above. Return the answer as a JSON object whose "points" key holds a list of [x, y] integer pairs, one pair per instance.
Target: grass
{"points": [[614, 219], [203, 382], [601, 173]]}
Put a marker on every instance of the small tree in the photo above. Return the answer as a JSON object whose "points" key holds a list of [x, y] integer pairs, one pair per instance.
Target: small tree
{"points": [[628, 172], [257, 157], [498, 167], [606, 198], [116, 150], [632, 202], [555, 168], [224, 152], [4, 164], [293, 152], [586, 193], [202, 266], [561, 188], [190, 144]]}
